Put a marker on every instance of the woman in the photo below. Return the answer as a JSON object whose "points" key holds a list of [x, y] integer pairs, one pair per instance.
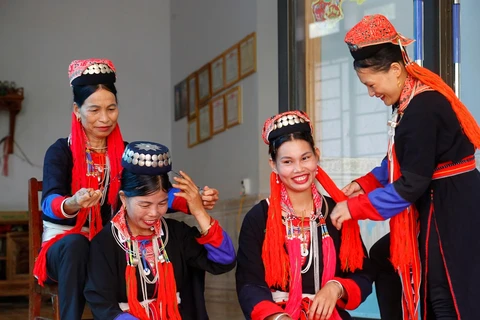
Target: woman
{"points": [[81, 183], [288, 261], [427, 184], [141, 263]]}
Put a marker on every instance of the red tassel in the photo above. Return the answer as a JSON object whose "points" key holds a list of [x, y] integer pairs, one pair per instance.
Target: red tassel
{"points": [[295, 286], [274, 257], [135, 308], [351, 249], [467, 121]]}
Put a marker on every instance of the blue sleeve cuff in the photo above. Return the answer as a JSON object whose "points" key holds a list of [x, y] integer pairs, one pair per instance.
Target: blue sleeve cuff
{"points": [[381, 172], [387, 201]]}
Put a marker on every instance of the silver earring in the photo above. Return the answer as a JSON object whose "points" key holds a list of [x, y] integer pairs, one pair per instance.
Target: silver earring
{"points": [[277, 179]]}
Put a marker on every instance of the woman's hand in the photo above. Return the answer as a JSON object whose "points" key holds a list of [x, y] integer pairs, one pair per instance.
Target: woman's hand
{"points": [[83, 198], [324, 302], [209, 197], [189, 191], [340, 214], [352, 189]]}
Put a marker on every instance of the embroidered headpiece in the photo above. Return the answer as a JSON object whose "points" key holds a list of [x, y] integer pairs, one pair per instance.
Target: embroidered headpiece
{"points": [[363, 38], [285, 123], [91, 71], [149, 158]]}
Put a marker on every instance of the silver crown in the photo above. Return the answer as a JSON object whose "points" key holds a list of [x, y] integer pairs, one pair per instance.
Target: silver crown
{"points": [[98, 68], [287, 120], [147, 160]]}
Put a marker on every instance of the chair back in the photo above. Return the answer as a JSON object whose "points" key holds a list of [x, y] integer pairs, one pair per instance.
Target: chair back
{"points": [[35, 226]]}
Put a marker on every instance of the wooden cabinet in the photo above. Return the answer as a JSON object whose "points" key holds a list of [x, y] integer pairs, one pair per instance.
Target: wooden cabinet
{"points": [[14, 253]]}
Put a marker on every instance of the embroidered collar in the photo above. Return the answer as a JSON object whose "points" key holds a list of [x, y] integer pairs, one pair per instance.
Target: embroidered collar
{"points": [[120, 223], [411, 88]]}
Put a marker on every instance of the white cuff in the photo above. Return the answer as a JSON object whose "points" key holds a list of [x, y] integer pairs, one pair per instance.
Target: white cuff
{"points": [[68, 216]]}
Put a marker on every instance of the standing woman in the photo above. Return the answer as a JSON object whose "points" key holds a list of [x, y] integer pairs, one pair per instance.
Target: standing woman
{"points": [[292, 262], [81, 179], [427, 184], [141, 264]]}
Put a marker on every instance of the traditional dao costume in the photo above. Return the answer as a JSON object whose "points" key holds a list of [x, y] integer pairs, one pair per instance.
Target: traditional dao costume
{"points": [[427, 184], [152, 277], [283, 260], [71, 164]]}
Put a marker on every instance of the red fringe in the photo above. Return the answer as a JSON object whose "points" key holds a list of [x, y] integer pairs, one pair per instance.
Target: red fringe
{"points": [[351, 248], [467, 121], [404, 251], [135, 308], [275, 258], [295, 287]]}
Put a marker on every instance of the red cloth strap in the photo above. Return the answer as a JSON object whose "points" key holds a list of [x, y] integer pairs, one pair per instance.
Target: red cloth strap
{"points": [[361, 209], [368, 182]]}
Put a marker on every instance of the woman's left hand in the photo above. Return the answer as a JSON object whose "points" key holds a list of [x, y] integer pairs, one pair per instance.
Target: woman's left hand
{"points": [[189, 191], [209, 197], [340, 214], [324, 302]]}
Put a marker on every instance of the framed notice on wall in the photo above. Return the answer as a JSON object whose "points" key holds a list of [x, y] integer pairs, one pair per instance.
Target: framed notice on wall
{"points": [[233, 106], [248, 55]]}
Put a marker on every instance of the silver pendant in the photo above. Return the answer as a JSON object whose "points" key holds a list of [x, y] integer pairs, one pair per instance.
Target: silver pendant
{"points": [[304, 250], [147, 271]]}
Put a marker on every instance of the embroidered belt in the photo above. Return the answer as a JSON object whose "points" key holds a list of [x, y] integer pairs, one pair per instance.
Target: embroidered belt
{"points": [[281, 296], [449, 169]]}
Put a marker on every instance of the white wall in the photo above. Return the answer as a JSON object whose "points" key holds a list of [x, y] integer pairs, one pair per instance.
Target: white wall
{"points": [[39, 39], [200, 31]]}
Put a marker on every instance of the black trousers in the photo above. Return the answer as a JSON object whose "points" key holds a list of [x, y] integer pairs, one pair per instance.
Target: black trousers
{"points": [[67, 265], [440, 305]]}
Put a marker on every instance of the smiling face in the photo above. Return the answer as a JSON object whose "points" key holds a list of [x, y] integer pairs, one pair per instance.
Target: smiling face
{"points": [[296, 164], [143, 212], [385, 85], [98, 114]]}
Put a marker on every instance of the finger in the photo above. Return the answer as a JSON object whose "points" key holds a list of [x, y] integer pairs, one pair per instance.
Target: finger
{"points": [[186, 176], [329, 312], [186, 184], [185, 188]]}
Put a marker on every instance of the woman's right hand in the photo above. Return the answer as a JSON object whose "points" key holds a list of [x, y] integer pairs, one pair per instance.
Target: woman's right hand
{"points": [[352, 189], [83, 198]]}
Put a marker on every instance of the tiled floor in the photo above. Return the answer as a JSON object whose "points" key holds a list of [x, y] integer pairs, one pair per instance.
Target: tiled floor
{"points": [[17, 309]]}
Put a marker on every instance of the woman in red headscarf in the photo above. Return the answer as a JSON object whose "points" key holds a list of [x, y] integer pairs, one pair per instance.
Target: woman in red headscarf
{"points": [[81, 180], [292, 263], [427, 184]]}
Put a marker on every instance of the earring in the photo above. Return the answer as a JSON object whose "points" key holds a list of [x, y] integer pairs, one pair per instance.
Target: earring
{"points": [[398, 83], [277, 179], [316, 171]]}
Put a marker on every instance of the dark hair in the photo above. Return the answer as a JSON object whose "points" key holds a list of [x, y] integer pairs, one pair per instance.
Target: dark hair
{"points": [[81, 93], [275, 144], [134, 185], [382, 59]]}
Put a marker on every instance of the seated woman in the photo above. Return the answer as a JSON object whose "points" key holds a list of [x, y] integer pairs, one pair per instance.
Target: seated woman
{"points": [[141, 264], [292, 262]]}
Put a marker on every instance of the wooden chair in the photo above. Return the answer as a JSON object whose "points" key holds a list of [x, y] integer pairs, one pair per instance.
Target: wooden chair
{"points": [[35, 228]]}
